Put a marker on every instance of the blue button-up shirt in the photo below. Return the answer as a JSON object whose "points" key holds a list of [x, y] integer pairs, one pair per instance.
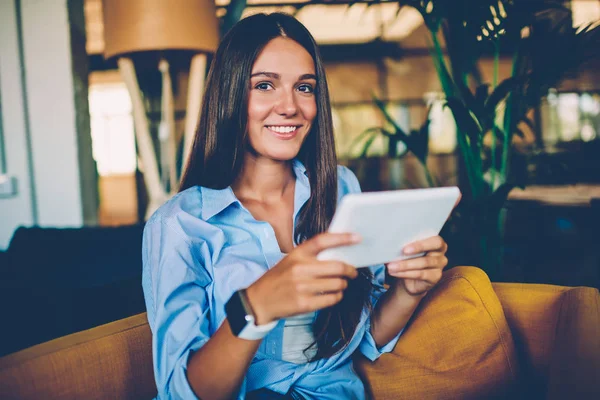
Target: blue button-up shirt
{"points": [[200, 247]]}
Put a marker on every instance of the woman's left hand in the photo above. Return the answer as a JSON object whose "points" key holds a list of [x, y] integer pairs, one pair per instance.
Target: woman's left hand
{"points": [[418, 275]]}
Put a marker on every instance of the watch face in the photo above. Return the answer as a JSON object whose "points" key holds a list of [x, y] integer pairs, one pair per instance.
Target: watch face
{"points": [[236, 313]]}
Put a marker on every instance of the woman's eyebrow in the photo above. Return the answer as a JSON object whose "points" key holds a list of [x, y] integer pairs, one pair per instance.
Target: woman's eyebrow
{"points": [[271, 75], [274, 75], [307, 76]]}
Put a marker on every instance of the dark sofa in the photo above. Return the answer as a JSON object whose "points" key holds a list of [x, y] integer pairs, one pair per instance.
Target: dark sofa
{"points": [[68, 280]]}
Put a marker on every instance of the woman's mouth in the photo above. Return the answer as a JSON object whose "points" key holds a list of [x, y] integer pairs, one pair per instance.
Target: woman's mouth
{"points": [[284, 132]]}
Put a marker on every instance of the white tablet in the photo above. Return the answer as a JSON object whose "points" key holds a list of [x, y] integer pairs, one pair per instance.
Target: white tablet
{"points": [[388, 221]]}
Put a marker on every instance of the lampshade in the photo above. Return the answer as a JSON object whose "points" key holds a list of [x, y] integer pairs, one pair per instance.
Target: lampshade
{"points": [[144, 25]]}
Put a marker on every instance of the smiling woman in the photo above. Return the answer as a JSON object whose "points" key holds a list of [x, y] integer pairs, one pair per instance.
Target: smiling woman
{"points": [[237, 301]]}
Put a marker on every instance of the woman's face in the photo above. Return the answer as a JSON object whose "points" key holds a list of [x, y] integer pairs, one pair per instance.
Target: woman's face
{"points": [[282, 104]]}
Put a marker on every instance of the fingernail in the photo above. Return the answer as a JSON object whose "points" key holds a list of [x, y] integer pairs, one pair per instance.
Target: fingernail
{"points": [[355, 238], [394, 266], [409, 250]]}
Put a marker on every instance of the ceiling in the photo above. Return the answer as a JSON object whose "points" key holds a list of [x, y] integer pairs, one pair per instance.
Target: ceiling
{"points": [[329, 24], [337, 23]]}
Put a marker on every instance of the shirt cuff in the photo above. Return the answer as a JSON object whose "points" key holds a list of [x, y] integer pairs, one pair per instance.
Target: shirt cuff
{"points": [[369, 348], [179, 386]]}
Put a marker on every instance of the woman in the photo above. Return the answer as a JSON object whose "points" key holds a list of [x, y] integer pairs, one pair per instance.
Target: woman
{"points": [[237, 302]]}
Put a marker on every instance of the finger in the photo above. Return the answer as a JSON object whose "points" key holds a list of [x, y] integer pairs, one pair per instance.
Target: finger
{"points": [[328, 240], [430, 261], [428, 275], [322, 286], [434, 243], [338, 269], [325, 300]]}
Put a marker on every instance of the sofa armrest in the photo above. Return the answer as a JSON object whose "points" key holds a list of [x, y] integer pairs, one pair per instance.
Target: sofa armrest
{"points": [[574, 370], [110, 361], [557, 333]]}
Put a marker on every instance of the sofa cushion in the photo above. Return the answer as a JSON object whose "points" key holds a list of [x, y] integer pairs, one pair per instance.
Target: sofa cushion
{"points": [[574, 368], [532, 312], [112, 361], [457, 345]]}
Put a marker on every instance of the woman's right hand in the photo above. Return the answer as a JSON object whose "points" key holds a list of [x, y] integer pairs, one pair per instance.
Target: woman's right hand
{"points": [[300, 283]]}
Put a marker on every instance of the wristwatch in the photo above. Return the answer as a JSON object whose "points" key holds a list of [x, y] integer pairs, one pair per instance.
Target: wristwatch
{"points": [[241, 318]]}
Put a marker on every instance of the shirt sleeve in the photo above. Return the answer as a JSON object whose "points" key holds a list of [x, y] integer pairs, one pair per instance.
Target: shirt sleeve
{"points": [[367, 346], [174, 280], [349, 184]]}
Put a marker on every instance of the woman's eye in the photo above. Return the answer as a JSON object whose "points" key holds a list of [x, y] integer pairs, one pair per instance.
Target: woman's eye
{"points": [[263, 86], [306, 88]]}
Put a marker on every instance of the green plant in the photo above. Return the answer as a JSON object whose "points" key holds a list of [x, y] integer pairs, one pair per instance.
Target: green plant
{"points": [[416, 140], [233, 13], [545, 48]]}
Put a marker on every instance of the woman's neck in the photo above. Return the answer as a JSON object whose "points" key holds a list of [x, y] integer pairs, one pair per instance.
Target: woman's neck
{"points": [[263, 180]]}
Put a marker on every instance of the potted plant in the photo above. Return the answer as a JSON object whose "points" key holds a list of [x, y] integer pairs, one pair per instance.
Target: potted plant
{"points": [[545, 48]]}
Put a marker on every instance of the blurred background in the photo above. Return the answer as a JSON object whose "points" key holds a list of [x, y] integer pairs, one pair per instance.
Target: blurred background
{"points": [[99, 99]]}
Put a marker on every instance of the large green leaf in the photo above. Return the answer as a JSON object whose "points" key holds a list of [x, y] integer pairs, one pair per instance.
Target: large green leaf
{"points": [[416, 141], [482, 92], [469, 99], [465, 120], [363, 137], [397, 130], [498, 199], [500, 93], [528, 122], [233, 14], [368, 144], [421, 144]]}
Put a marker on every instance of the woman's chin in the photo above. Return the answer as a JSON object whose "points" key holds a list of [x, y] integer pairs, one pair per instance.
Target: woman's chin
{"points": [[283, 154], [277, 151], [285, 157]]}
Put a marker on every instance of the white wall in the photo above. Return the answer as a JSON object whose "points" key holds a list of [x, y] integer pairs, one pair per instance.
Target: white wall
{"points": [[49, 100], [17, 210], [49, 82]]}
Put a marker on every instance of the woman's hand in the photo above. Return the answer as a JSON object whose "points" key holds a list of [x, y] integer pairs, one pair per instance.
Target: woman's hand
{"points": [[418, 275], [300, 283]]}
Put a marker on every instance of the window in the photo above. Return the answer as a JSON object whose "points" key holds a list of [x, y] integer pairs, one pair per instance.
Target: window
{"points": [[442, 128], [113, 141], [568, 117]]}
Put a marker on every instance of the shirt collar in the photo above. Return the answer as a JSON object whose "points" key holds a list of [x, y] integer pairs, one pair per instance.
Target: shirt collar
{"points": [[300, 170], [302, 192], [216, 200]]}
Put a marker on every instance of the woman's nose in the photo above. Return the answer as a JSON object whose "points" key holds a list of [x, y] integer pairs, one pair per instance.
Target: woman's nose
{"points": [[286, 104]]}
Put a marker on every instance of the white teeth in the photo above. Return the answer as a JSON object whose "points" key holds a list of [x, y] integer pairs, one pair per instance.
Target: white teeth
{"points": [[283, 129]]}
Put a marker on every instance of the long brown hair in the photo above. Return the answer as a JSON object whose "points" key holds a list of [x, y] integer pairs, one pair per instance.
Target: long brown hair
{"points": [[217, 154]]}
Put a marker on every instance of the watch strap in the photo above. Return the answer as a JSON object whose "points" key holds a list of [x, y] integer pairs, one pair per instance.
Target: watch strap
{"points": [[241, 318], [254, 332]]}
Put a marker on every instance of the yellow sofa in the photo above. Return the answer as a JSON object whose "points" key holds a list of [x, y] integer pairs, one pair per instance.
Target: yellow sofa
{"points": [[469, 339]]}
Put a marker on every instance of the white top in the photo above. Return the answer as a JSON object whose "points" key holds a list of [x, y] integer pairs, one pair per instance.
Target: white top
{"points": [[297, 336]]}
